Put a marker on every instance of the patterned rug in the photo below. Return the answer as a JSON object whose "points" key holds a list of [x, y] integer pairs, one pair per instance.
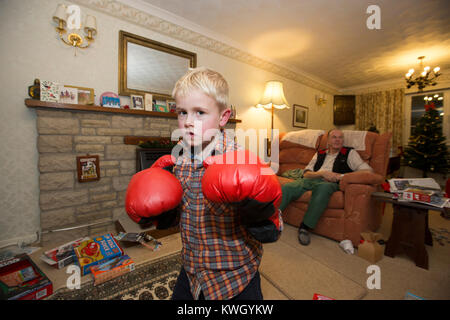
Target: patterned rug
{"points": [[150, 281]]}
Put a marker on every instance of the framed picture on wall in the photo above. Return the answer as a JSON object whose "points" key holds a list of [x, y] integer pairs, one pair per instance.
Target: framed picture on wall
{"points": [[300, 116], [88, 168]]}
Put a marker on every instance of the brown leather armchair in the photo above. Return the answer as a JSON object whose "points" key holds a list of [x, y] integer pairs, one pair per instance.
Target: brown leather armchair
{"points": [[351, 210]]}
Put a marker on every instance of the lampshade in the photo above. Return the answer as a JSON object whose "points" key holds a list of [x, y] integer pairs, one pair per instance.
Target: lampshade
{"points": [[273, 96], [60, 13], [91, 24]]}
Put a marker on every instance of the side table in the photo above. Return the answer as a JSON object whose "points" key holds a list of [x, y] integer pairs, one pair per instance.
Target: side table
{"points": [[410, 230]]}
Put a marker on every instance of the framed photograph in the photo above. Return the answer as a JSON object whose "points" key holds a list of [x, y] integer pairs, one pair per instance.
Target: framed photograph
{"points": [[137, 102], [172, 106], [300, 116], [68, 95], [148, 102], [85, 95], [88, 168]]}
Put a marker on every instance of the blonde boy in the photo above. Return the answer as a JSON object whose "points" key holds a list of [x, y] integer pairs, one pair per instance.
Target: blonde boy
{"points": [[220, 259]]}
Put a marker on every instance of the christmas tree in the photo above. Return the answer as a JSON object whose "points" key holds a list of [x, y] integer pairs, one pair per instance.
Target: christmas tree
{"points": [[426, 148]]}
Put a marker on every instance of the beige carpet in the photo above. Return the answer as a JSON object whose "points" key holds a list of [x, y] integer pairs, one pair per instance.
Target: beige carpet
{"points": [[298, 276], [398, 275]]}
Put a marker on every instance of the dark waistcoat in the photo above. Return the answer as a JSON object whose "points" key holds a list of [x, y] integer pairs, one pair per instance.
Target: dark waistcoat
{"points": [[340, 163]]}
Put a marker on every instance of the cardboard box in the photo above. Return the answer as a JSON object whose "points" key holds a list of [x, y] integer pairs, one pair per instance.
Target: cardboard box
{"points": [[112, 269], [21, 279], [415, 196], [63, 255], [370, 249], [97, 250]]}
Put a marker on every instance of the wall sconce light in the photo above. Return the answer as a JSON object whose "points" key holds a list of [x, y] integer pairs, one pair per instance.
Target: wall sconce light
{"points": [[273, 98], [74, 39], [320, 100]]}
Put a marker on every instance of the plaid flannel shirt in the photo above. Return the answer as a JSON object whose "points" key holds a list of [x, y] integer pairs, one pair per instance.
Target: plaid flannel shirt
{"points": [[219, 256]]}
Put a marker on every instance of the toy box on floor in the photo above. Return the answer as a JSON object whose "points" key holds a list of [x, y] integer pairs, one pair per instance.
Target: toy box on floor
{"points": [[95, 251], [111, 269], [62, 256], [21, 279]]}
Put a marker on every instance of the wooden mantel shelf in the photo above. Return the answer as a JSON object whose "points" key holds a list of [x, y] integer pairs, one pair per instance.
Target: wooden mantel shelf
{"points": [[31, 103]]}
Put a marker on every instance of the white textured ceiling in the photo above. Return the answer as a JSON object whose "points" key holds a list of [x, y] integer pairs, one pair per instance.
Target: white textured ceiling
{"points": [[328, 38]]}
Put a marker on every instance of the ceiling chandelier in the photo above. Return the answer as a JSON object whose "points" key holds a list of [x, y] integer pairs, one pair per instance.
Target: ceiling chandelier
{"points": [[426, 78]]}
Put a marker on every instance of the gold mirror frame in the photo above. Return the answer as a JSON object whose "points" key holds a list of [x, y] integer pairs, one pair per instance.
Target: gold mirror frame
{"points": [[124, 39]]}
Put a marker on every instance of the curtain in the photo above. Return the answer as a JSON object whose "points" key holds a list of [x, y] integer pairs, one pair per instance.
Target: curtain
{"points": [[384, 110]]}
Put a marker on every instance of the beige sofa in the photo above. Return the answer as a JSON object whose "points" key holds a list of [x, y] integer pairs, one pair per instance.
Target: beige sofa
{"points": [[351, 210]]}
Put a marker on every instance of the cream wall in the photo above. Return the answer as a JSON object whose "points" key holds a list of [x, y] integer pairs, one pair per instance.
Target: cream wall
{"points": [[31, 49]]}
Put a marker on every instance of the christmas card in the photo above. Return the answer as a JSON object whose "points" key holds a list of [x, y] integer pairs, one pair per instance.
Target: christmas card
{"points": [[49, 91]]}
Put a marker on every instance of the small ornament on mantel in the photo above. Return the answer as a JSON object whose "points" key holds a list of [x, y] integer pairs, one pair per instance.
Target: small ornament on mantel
{"points": [[233, 112], [34, 91]]}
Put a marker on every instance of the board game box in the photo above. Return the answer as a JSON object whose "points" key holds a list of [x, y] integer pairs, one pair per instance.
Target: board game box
{"points": [[21, 279], [63, 255], [95, 251], [111, 269]]}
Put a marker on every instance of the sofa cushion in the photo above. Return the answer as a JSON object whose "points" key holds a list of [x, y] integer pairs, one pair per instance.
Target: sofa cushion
{"points": [[299, 155], [289, 166], [293, 155], [307, 138], [301, 206], [381, 149]]}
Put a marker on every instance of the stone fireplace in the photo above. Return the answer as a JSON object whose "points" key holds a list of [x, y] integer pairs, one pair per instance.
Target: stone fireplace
{"points": [[64, 134]]}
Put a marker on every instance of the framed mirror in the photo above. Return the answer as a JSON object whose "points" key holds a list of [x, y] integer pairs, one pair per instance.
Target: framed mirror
{"points": [[148, 66]]}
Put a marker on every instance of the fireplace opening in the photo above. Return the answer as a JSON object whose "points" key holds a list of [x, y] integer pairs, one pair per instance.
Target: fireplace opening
{"points": [[146, 157]]}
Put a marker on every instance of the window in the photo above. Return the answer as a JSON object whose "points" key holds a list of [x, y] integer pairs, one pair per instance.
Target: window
{"points": [[414, 108], [418, 106]]}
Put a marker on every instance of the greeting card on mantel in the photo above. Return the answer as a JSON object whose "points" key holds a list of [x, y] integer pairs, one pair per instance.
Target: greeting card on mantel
{"points": [[49, 91]]}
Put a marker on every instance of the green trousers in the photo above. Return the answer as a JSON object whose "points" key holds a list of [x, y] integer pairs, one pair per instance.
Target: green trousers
{"points": [[321, 193]]}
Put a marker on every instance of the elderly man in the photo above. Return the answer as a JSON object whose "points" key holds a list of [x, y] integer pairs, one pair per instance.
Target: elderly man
{"points": [[322, 176]]}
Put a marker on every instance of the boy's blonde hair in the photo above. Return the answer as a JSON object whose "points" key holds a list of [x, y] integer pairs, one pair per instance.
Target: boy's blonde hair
{"points": [[210, 82]]}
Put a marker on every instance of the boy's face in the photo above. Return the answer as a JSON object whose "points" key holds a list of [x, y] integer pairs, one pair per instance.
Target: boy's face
{"points": [[198, 116]]}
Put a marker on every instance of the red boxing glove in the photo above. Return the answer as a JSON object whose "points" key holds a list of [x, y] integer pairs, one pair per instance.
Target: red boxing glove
{"points": [[240, 178], [153, 194]]}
